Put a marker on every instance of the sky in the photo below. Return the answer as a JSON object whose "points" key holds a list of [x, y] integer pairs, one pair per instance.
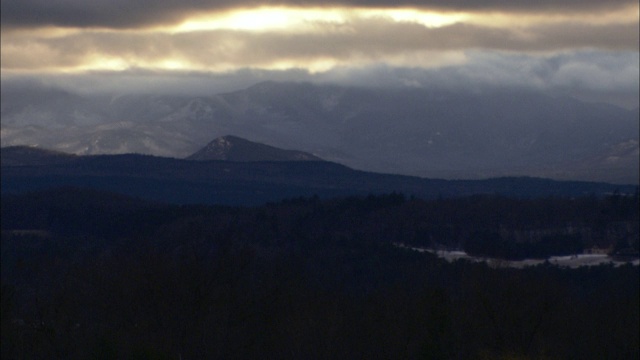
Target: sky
{"points": [[582, 48]]}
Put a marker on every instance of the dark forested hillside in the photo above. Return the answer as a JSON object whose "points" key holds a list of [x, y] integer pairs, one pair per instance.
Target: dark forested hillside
{"points": [[87, 274], [254, 183]]}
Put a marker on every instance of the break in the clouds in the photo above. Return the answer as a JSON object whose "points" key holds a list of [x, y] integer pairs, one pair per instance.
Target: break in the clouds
{"points": [[131, 14], [361, 41], [581, 47]]}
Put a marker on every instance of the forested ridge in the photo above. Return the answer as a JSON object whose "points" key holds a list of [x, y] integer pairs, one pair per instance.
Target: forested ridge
{"points": [[88, 274]]}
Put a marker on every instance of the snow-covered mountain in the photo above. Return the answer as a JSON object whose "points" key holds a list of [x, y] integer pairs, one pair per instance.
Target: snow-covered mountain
{"points": [[430, 133], [233, 148]]}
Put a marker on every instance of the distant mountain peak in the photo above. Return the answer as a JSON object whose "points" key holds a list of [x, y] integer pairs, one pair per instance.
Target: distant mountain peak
{"points": [[233, 148]]}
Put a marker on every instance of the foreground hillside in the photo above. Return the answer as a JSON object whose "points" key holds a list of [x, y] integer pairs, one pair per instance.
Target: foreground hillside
{"points": [[87, 274]]}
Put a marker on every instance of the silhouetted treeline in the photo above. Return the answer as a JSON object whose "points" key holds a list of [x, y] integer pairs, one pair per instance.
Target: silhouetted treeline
{"points": [[482, 225], [95, 275]]}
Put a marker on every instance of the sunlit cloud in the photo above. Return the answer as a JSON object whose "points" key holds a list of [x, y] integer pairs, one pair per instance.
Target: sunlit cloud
{"points": [[316, 37], [309, 19], [616, 15], [316, 40], [129, 14], [262, 19]]}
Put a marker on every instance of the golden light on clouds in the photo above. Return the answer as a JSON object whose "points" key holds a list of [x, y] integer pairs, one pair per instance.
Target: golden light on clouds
{"points": [[114, 63], [624, 15], [105, 63], [314, 39], [589, 46], [260, 19], [309, 19], [424, 18]]}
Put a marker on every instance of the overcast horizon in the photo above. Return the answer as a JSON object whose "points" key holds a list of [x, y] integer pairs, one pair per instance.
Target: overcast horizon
{"points": [[585, 49]]}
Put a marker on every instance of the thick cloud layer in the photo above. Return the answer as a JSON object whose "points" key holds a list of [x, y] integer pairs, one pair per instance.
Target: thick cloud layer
{"points": [[140, 13], [590, 75], [361, 41], [584, 48]]}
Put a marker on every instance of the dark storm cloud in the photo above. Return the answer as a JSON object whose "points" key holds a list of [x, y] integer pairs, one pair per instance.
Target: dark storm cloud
{"points": [[140, 13]]}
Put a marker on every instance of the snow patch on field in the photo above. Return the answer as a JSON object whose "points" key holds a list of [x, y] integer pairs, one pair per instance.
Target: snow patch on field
{"points": [[570, 261]]}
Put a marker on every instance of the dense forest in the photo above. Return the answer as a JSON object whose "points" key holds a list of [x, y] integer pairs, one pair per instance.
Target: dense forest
{"points": [[88, 274]]}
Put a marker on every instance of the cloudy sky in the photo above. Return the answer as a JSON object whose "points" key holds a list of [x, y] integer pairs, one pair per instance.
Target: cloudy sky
{"points": [[584, 48]]}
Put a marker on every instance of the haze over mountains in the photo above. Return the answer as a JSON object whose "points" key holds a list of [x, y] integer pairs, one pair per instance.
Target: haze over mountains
{"points": [[413, 131]]}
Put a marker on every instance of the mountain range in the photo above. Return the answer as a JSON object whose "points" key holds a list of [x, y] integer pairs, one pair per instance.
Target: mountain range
{"points": [[410, 131], [250, 182]]}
